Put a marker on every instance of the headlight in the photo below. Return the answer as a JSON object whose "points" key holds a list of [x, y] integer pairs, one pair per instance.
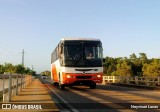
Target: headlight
{"points": [[68, 76], [98, 76]]}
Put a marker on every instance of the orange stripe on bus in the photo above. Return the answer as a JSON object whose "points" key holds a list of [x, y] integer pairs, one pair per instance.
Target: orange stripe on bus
{"points": [[54, 73]]}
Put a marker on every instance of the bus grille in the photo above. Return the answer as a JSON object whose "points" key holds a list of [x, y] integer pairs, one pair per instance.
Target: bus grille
{"points": [[83, 77]]}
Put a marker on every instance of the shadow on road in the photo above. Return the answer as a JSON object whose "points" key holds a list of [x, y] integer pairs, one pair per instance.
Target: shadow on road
{"points": [[104, 98]]}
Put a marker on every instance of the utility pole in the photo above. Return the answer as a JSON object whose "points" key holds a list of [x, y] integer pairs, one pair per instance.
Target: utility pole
{"points": [[23, 58]]}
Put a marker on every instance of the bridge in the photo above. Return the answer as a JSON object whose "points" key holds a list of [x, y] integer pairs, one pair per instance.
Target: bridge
{"points": [[39, 94]]}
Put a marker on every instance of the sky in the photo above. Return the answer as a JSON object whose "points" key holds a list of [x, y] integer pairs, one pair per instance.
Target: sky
{"points": [[124, 27]]}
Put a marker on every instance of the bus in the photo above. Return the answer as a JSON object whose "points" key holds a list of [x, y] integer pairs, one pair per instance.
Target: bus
{"points": [[77, 61]]}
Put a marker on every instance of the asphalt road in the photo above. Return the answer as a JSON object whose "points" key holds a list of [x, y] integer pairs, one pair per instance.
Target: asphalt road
{"points": [[105, 98]]}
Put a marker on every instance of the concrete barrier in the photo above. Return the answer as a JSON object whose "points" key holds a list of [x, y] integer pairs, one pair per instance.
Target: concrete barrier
{"points": [[16, 82], [148, 81]]}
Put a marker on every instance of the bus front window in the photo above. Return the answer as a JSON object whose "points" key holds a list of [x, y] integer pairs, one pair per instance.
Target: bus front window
{"points": [[72, 52], [86, 55], [93, 52]]}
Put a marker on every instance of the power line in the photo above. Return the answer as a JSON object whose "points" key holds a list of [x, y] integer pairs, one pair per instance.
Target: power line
{"points": [[4, 46], [6, 49]]}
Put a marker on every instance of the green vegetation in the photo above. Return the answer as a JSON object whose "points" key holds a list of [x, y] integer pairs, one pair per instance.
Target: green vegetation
{"points": [[7, 67], [132, 66]]}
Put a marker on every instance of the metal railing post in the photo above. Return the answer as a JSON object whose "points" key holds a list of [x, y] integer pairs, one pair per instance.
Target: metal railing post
{"points": [[103, 79], [13, 91], [24, 80], [127, 79], [17, 84], [136, 80], [10, 87], [113, 79], [121, 79], [21, 82], [147, 81], [3, 88]]}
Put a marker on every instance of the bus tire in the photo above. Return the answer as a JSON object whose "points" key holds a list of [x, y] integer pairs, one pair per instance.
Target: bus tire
{"points": [[93, 86], [55, 84], [61, 86]]}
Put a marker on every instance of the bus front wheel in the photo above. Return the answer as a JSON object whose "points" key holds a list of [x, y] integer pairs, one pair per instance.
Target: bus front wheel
{"points": [[93, 86], [61, 86]]}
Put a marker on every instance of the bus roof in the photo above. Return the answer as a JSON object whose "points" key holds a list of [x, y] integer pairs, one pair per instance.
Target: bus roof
{"points": [[85, 39]]}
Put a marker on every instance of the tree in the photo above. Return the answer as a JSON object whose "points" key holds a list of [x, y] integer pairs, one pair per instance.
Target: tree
{"points": [[133, 65], [123, 69], [9, 68], [152, 69], [109, 65], [143, 58], [19, 69], [33, 73], [27, 71], [136, 64], [111, 69], [2, 69], [133, 57]]}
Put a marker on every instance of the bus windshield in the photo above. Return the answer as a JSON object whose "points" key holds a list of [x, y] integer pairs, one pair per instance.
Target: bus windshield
{"points": [[83, 54]]}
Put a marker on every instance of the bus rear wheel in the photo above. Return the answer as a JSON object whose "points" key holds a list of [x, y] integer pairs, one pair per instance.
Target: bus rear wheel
{"points": [[55, 84]]}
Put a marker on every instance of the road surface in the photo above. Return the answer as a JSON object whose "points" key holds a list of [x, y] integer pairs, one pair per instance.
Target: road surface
{"points": [[104, 98]]}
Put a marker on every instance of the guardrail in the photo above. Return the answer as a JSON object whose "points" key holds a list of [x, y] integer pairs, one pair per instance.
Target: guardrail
{"points": [[14, 83], [149, 81]]}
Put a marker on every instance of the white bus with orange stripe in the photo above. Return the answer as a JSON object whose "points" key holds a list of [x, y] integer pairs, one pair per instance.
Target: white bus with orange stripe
{"points": [[77, 61]]}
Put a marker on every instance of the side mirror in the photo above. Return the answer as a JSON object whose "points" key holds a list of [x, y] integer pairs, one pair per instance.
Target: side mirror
{"points": [[60, 48]]}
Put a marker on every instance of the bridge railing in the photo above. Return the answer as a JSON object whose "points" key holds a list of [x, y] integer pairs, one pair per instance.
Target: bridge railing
{"points": [[11, 84], [149, 81]]}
